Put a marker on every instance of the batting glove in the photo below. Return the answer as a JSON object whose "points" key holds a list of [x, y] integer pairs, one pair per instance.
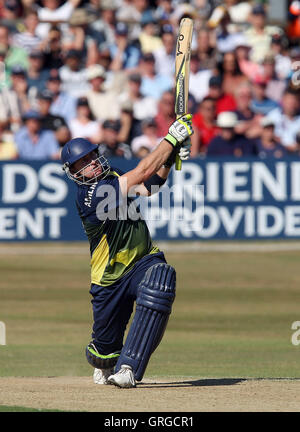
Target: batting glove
{"points": [[180, 130], [185, 150]]}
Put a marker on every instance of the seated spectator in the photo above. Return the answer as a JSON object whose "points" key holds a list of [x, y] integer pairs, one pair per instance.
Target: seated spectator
{"points": [[73, 75], [37, 75], [104, 28], [259, 35], [165, 54], [34, 143], [275, 85], [267, 144], [143, 106], [260, 103], [228, 142], [148, 141], [199, 79], [63, 105], [51, 46], [204, 122], [164, 10], [84, 124], [55, 123], [11, 15], [206, 50], [104, 104], [165, 114], [283, 62], [224, 101], [153, 84], [230, 73], [14, 56], [125, 54], [14, 101], [148, 39], [249, 122], [8, 149], [287, 119], [28, 39], [109, 145]]}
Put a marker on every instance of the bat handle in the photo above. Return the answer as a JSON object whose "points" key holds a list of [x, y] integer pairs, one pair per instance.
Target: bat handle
{"points": [[178, 163]]}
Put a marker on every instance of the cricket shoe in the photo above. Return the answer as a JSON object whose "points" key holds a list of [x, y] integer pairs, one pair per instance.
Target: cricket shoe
{"points": [[101, 375], [124, 378]]}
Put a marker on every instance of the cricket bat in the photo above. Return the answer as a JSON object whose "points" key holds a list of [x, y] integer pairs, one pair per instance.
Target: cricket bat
{"points": [[182, 71]]}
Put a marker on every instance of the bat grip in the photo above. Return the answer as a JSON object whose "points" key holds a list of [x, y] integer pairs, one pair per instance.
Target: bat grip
{"points": [[178, 163]]}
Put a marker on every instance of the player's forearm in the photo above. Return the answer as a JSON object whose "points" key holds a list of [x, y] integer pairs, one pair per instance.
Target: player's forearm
{"points": [[152, 164]]}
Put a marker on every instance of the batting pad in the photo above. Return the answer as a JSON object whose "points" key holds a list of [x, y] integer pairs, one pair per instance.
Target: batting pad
{"points": [[154, 301]]}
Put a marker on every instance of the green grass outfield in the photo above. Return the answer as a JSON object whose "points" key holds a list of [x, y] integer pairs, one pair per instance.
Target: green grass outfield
{"points": [[232, 315]]}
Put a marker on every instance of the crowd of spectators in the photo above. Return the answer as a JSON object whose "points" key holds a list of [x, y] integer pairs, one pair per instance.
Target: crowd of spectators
{"points": [[104, 70]]}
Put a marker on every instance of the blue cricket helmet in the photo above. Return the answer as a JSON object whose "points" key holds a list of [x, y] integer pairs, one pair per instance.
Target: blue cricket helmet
{"points": [[74, 150]]}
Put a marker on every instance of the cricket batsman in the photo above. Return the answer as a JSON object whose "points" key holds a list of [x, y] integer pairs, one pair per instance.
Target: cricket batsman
{"points": [[126, 267]]}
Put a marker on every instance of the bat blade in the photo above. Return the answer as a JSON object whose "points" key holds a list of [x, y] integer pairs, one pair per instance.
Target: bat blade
{"points": [[182, 70]]}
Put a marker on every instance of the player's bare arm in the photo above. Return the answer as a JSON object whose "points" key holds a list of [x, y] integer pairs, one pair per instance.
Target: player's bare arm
{"points": [[151, 170]]}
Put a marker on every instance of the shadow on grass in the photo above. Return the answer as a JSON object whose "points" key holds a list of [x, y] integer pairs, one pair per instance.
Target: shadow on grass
{"points": [[195, 383]]}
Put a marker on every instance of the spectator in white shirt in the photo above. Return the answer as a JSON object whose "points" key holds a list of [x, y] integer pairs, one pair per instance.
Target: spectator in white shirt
{"points": [[287, 119], [73, 76], [54, 11], [165, 55]]}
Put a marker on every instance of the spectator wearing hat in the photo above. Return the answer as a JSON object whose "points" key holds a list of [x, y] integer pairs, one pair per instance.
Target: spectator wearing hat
{"points": [[148, 38], [287, 119], [205, 125], [153, 84], [224, 101], [28, 39], [55, 123], [148, 141], [267, 144], [259, 35], [84, 124], [228, 142], [54, 11], [125, 55], [109, 145], [260, 103], [63, 104], [103, 103], [143, 106], [74, 80], [165, 54], [33, 142]]}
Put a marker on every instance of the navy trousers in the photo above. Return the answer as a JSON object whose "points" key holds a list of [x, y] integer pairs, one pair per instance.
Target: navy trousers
{"points": [[113, 305]]}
